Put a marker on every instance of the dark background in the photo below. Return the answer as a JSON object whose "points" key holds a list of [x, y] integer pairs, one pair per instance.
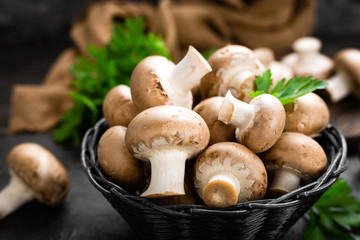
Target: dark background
{"points": [[32, 34]]}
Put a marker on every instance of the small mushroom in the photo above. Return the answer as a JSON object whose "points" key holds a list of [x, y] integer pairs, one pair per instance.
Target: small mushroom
{"points": [[347, 77], [234, 68], [118, 108], [158, 81], [278, 69], [209, 109], [166, 136], [307, 59], [35, 174], [227, 173], [117, 162], [259, 123], [293, 158]]}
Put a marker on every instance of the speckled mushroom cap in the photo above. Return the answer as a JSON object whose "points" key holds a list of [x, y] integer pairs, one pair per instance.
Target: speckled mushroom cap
{"points": [[208, 109], [41, 171], [118, 108], [309, 115], [164, 126], [266, 125], [226, 62], [349, 61], [145, 84], [117, 162], [236, 159], [297, 153]]}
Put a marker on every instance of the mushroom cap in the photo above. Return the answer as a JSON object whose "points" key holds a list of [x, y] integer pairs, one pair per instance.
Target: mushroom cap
{"points": [[146, 82], [266, 125], [208, 109], [117, 162], [118, 108], [166, 126], [309, 115], [265, 55], [226, 62], [234, 158], [349, 61], [297, 153], [41, 171]]}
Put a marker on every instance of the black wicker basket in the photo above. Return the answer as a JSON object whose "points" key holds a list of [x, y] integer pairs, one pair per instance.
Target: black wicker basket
{"points": [[262, 219]]}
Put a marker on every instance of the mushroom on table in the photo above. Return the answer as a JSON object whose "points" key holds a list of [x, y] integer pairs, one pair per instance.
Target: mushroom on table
{"points": [[167, 136], [35, 174], [227, 173]]}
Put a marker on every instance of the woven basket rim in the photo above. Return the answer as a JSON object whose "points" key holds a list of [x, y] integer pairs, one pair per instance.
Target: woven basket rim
{"points": [[107, 187]]}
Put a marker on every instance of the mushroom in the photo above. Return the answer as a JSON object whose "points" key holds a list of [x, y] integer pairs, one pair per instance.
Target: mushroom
{"points": [[347, 77], [35, 173], [308, 114], [158, 81], [234, 68], [259, 123], [293, 158], [167, 136], [117, 162], [118, 108], [307, 59], [278, 69], [209, 109], [227, 173]]}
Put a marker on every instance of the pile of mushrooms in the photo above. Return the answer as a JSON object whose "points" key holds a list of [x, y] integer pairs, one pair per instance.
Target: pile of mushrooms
{"points": [[224, 150]]}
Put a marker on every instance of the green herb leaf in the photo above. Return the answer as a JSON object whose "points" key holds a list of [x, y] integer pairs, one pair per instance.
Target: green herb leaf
{"points": [[110, 66]]}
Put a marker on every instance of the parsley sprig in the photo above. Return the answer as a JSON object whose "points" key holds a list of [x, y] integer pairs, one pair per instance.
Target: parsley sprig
{"points": [[334, 215], [110, 66], [286, 90]]}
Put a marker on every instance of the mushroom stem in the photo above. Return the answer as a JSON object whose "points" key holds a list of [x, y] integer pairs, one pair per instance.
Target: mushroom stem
{"points": [[237, 80], [14, 195], [188, 72], [339, 86], [307, 49], [222, 190], [235, 112], [284, 181], [167, 173]]}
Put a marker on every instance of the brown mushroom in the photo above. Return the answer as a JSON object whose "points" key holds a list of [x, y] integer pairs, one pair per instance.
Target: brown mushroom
{"points": [[309, 115], [158, 81], [209, 109], [259, 123], [166, 136], [117, 162], [234, 68], [347, 77], [118, 108], [307, 59], [293, 158], [227, 173], [35, 174]]}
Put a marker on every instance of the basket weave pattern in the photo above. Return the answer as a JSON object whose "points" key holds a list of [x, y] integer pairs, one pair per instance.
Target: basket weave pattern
{"points": [[261, 219]]}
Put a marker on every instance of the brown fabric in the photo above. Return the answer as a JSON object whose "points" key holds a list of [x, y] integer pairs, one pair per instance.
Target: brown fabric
{"points": [[204, 24]]}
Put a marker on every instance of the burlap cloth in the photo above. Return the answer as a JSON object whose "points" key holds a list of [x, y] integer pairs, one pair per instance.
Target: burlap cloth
{"points": [[204, 24]]}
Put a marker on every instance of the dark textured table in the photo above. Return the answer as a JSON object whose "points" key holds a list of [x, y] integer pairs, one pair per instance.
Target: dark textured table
{"points": [[85, 214]]}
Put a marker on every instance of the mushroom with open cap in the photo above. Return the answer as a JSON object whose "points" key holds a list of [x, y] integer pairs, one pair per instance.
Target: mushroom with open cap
{"points": [[227, 173], [234, 68], [308, 114], [118, 108], [209, 109], [307, 59], [117, 163], [167, 136], [158, 81], [293, 158], [346, 80], [259, 123], [35, 174]]}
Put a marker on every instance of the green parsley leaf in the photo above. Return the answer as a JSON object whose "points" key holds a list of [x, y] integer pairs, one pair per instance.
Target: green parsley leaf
{"points": [[110, 66]]}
